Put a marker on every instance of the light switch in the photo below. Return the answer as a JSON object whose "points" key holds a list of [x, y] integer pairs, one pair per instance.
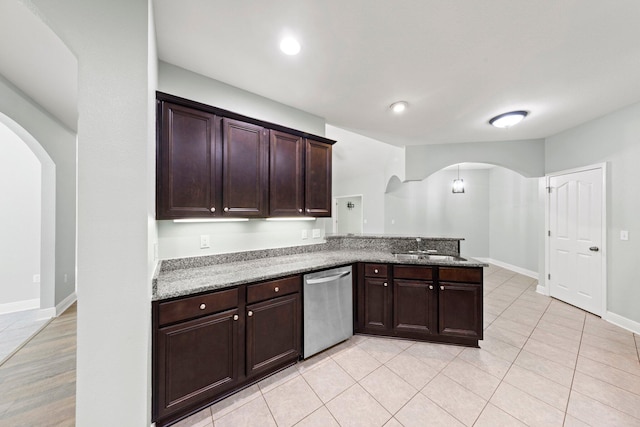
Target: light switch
{"points": [[624, 235], [204, 241], [305, 234]]}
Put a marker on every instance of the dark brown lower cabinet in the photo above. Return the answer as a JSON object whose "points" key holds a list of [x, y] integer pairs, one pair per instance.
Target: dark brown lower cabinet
{"points": [[377, 304], [460, 312], [273, 333], [196, 360], [429, 303], [210, 345], [415, 307]]}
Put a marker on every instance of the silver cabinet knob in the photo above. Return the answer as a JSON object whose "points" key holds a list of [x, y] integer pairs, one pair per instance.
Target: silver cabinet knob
{"points": [[308, 210], [250, 313], [213, 210], [226, 209], [300, 210], [375, 271], [442, 288], [385, 284], [235, 317], [277, 289], [203, 306], [430, 286]]}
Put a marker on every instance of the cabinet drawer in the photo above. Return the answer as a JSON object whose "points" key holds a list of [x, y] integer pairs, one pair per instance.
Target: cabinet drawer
{"points": [[469, 275], [412, 272], [375, 270], [272, 289], [192, 307]]}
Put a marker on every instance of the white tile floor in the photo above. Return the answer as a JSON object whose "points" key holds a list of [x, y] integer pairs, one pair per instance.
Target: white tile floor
{"points": [[16, 329], [541, 363]]}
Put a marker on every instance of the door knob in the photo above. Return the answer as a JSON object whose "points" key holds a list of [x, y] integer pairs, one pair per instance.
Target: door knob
{"points": [[235, 317], [442, 288], [277, 289], [430, 286], [386, 284], [250, 313], [213, 210], [594, 249]]}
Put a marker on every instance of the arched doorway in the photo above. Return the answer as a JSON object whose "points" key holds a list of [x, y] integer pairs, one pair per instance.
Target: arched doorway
{"points": [[26, 153]]}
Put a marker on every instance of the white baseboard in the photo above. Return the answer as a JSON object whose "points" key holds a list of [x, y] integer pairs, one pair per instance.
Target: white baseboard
{"points": [[12, 307], [623, 322], [65, 303], [520, 270], [541, 289]]}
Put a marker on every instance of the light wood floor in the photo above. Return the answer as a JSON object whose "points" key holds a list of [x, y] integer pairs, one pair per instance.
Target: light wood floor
{"points": [[38, 383]]}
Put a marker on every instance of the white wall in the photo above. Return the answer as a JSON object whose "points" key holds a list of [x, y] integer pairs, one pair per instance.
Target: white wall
{"points": [[20, 189], [525, 157], [615, 139], [110, 41], [430, 208], [362, 165], [515, 218]]}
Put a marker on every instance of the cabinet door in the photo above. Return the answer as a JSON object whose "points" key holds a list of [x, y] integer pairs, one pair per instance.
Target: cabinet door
{"points": [[377, 304], [415, 307], [187, 164], [273, 333], [197, 360], [460, 310], [317, 179], [286, 175], [245, 154]]}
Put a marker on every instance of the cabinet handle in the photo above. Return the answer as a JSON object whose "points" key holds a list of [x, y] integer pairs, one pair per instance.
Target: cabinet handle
{"points": [[375, 271], [277, 289], [203, 306], [431, 287], [308, 210], [213, 210], [235, 317], [442, 288], [385, 284], [250, 313], [300, 210], [226, 209]]}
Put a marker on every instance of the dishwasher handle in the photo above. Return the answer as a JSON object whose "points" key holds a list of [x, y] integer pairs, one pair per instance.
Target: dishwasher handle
{"points": [[327, 279]]}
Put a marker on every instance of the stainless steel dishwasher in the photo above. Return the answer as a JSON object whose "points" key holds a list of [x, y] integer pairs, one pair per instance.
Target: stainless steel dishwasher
{"points": [[328, 309]]}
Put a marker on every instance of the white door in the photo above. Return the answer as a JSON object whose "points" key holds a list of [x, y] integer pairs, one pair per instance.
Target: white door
{"points": [[575, 239]]}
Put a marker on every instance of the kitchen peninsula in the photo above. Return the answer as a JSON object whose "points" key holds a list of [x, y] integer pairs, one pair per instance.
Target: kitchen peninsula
{"points": [[222, 322]]}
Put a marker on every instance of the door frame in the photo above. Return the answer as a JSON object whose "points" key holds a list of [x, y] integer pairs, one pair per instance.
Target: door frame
{"points": [[334, 218], [546, 290]]}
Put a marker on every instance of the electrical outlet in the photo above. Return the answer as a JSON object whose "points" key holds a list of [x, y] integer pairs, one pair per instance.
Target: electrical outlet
{"points": [[36, 278], [204, 241], [305, 234], [624, 235], [316, 233]]}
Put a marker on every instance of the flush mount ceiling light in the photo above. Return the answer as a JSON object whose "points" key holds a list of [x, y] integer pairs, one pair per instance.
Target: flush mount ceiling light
{"points": [[508, 119], [290, 46], [399, 107]]}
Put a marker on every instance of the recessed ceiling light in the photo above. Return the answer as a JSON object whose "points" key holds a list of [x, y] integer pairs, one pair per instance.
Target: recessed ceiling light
{"points": [[399, 107], [290, 46], [508, 119]]}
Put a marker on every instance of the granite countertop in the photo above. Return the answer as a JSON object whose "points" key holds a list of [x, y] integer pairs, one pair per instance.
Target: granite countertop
{"points": [[190, 278]]}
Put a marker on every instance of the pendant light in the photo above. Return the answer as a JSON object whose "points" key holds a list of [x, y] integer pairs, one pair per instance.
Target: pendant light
{"points": [[458, 184]]}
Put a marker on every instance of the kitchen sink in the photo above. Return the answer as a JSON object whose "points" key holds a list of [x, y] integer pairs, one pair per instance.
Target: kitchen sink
{"points": [[415, 255]]}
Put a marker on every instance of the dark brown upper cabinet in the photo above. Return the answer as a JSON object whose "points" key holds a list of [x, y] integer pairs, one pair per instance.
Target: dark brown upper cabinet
{"points": [[286, 174], [212, 162], [245, 153], [318, 179], [188, 167]]}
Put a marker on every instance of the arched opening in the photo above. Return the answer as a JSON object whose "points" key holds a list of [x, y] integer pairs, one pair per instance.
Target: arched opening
{"points": [[28, 176], [500, 215]]}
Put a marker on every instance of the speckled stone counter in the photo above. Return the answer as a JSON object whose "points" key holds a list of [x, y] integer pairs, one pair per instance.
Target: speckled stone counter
{"points": [[180, 277]]}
